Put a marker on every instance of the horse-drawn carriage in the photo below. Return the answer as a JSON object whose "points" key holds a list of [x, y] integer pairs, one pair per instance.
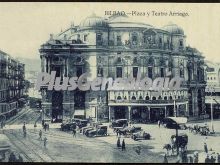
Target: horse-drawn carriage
{"points": [[141, 135]]}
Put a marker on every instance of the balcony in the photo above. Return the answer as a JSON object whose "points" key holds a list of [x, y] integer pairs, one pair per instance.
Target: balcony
{"points": [[157, 102]]}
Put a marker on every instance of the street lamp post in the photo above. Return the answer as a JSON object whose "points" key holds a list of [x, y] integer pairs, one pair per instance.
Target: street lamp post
{"points": [[99, 103], [212, 90]]}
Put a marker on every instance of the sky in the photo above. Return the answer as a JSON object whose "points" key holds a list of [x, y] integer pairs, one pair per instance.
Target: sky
{"points": [[24, 26]]}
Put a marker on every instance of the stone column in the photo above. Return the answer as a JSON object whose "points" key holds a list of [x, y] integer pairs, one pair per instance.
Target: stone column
{"points": [[129, 113], [187, 110], [165, 111], [109, 114], [177, 110], [148, 113]]}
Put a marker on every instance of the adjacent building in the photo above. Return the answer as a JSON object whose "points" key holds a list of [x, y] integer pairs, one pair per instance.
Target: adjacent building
{"points": [[120, 47], [213, 89], [11, 85]]}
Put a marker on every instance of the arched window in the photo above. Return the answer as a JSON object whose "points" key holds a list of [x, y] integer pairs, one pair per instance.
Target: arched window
{"points": [[171, 98], [119, 98], [133, 98], [140, 98], [147, 98], [165, 98], [153, 98], [119, 60]]}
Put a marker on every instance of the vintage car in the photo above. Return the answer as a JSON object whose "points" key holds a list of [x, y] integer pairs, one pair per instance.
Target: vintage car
{"points": [[82, 123], [119, 123], [128, 130], [83, 130], [99, 131], [141, 135], [69, 126], [174, 123]]}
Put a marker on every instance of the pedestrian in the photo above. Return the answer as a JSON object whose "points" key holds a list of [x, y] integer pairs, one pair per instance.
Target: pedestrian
{"points": [[118, 143], [20, 159], [184, 157], [196, 157], [45, 126], [74, 132], [218, 158], [12, 157], [207, 159], [40, 135], [159, 123], [190, 159], [123, 145], [165, 159], [205, 148], [24, 127], [45, 142], [212, 159], [117, 132]]}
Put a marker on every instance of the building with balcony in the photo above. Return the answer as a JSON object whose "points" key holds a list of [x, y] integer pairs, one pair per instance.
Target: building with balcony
{"points": [[11, 85], [120, 47]]}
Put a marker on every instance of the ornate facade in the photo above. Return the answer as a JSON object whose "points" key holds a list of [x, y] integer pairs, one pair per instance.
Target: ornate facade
{"points": [[11, 85], [120, 47]]}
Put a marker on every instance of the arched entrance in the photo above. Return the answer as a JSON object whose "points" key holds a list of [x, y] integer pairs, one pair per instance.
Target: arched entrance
{"points": [[57, 106]]}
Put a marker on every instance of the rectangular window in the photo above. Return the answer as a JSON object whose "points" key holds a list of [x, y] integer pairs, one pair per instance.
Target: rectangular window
{"points": [[135, 72], [150, 72], [181, 43], [85, 37], [99, 37], [162, 72], [119, 72]]}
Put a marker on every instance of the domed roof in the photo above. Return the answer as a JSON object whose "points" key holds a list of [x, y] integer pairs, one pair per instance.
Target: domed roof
{"points": [[93, 21], [174, 29]]}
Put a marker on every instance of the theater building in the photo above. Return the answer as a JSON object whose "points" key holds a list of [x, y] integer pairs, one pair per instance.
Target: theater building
{"points": [[120, 47]]}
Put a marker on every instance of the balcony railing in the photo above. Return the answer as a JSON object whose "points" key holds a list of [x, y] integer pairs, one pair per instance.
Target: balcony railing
{"points": [[149, 101]]}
